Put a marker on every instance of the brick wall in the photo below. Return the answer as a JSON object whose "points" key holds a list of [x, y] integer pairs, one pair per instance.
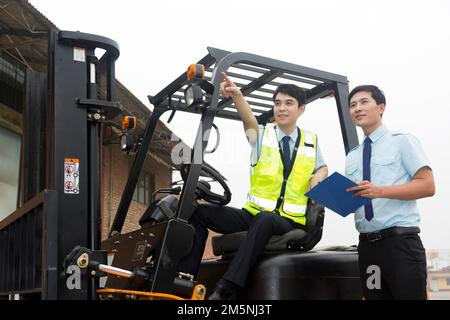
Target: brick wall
{"points": [[115, 167]]}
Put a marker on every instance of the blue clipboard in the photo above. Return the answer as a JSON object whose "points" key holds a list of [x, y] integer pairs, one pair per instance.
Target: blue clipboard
{"points": [[331, 193]]}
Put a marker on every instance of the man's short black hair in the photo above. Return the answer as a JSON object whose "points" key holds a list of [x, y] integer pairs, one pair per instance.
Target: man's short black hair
{"points": [[293, 91], [376, 93]]}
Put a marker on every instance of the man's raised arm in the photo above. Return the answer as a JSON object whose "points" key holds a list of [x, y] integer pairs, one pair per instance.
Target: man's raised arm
{"points": [[229, 90]]}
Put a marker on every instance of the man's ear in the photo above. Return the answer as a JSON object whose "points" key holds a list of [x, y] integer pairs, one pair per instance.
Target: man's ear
{"points": [[381, 106], [301, 109]]}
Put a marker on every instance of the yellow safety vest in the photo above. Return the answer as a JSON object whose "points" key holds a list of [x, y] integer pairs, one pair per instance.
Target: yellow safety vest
{"points": [[266, 177]]}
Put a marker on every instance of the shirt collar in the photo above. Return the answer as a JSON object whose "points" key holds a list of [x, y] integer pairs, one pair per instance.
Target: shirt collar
{"points": [[281, 134], [378, 133]]}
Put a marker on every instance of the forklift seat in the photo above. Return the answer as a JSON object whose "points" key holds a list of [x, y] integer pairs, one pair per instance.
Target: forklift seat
{"points": [[298, 239]]}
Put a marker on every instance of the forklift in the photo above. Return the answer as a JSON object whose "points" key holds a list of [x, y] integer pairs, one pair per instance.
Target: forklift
{"points": [[62, 247]]}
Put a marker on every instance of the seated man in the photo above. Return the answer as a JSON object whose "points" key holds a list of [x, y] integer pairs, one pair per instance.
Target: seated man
{"points": [[286, 163]]}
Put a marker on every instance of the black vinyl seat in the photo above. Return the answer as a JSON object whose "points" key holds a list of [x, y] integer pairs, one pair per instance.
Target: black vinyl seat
{"points": [[297, 239]]}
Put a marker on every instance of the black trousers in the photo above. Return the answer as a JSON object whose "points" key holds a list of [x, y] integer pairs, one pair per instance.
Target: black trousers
{"points": [[227, 220], [402, 266]]}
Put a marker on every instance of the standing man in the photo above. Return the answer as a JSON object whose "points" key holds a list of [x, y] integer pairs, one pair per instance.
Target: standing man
{"points": [[286, 163], [392, 170]]}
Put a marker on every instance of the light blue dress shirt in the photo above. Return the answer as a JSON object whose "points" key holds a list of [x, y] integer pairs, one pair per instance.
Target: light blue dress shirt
{"points": [[256, 148], [396, 157]]}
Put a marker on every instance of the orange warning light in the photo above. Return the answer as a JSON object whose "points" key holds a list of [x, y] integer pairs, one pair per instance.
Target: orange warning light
{"points": [[195, 71], [128, 122]]}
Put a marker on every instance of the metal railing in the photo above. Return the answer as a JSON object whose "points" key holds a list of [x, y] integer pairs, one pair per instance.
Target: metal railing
{"points": [[28, 248]]}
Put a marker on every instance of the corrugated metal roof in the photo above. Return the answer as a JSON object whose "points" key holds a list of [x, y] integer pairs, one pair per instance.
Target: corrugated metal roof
{"points": [[23, 33]]}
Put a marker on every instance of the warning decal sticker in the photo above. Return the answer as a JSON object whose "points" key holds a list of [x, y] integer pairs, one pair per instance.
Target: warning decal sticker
{"points": [[71, 176], [79, 54]]}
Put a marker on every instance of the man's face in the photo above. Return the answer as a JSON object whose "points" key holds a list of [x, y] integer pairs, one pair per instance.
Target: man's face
{"points": [[364, 110], [286, 110]]}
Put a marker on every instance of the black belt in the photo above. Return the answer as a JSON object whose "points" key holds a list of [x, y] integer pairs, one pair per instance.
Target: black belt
{"points": [[389, 232]]}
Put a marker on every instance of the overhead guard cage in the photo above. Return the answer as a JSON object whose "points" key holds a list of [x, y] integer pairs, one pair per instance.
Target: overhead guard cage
{"points": [[257, 77]]}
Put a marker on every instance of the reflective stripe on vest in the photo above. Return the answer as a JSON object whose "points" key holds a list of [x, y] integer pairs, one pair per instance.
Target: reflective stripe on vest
{"points": [[294, 208], [261, 203], [309, 137], [266, 177], [308, 151]]}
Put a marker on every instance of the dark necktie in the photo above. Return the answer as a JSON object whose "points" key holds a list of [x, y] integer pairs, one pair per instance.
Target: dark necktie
{"points": [[367, 153], [286, 150]]}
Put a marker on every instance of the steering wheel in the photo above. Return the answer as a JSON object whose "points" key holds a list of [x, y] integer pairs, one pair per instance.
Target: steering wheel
{"points": [[203, 190]]}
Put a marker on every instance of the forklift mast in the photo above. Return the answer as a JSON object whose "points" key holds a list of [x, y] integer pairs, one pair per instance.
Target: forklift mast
{"points": [[61, 207]]}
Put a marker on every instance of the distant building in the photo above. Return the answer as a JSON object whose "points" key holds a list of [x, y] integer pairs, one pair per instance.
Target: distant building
{"points": [[439, 280], [438, 265]]}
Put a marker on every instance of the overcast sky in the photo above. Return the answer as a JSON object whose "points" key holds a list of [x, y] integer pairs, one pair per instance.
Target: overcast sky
{"points": [[401, 46]]}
